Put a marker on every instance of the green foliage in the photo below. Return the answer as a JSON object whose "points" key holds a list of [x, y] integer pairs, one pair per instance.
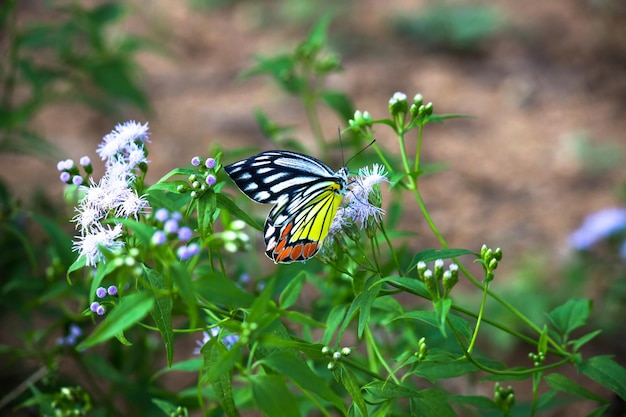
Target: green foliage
{"points": [[368, 328], [462, 28], [82, 65]]}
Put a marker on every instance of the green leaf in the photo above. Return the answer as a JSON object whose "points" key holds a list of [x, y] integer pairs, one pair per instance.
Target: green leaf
{"points": [[348, 380], [79, 263], [578, 343], [214, 287], [444, 368], [141, 231], [442, 308], [271, 396], [162, 311], [607, 372], [131, 309], [60, 240], [385, 390], [182, 279], [562, 383], [224, 202], [474, 400], [430, 255], [189, 365], [340, 103], [571, 315], [207, 204], [413, 285], [334, 320], [542, 346], [432, 403], [291, 292], [432, 318], [294, 367], [367, 298], [215, 354]]}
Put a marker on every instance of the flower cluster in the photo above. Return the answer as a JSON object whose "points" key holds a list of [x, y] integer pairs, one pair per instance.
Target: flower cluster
{"points": [[229, 340], [335, 355], [362, 201], [171, 230], [432, 278], [70, 174], [102, 292], [70, 339], [113, 196], [600, 226], [205, 178]]}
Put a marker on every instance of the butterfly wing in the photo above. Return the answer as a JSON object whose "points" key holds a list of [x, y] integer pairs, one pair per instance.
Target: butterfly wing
{"points": [[306, 194]]}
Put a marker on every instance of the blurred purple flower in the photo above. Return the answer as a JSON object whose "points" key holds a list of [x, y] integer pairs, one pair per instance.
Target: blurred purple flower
{"points": [[597, 226]]}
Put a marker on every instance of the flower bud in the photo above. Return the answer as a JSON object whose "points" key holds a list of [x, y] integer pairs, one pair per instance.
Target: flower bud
{"points": [[346, 351], [439, 269], [398, 104]]}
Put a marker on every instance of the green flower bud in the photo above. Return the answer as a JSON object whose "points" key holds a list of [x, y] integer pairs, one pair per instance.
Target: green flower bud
{"points": [[418, 99], [483, 251], [430, 283], [493, 264], [497, 254], [439, 269], [336, 356], [449, 281], [331, 366], [325, 350], [194, 194], [193, 177], [181, 189], [346, 351], [398, 104]]}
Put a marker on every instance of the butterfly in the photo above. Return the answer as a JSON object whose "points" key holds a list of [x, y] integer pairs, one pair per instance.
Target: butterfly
{"points": [[305, 192]]}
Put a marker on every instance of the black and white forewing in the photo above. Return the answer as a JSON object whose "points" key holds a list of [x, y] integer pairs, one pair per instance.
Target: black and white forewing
{"points": [[270, 175]]}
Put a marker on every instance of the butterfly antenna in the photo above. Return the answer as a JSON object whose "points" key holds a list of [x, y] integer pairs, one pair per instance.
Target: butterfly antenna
{"points": [[358, 153], [343, 160]]}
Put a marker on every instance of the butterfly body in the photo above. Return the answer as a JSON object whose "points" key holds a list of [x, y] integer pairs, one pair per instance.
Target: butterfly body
{"points": [[305, 192]]}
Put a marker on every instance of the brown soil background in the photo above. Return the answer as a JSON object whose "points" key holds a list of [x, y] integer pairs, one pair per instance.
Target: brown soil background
{"points": [[513, 180]]}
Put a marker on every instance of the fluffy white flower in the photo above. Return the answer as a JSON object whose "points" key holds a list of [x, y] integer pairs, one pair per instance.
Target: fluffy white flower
{"points": [[89, 244]]}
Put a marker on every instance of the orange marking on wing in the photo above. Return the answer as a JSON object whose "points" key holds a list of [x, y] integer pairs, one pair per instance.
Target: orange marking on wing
{"points": [[286, 230], [296, 252], [283, 254], [280, 246], [309, 250]]}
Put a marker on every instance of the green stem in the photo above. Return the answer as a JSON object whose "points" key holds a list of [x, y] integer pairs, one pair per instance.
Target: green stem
{"points": [[372, 343], [479, 319]]}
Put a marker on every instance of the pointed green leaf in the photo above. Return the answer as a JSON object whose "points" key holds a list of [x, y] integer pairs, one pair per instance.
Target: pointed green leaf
{"points": [[431, 318], [79, 263], [225, 203], [294, 367], [607, 372], [214, 353], [562, 383], [578, 343], [385, 390], [432, 403], [442, 308], [131, 309], [571, 315], [162, 311], [334, 320], [291, 292], [430, 255], [348, 380], [271, 396]]}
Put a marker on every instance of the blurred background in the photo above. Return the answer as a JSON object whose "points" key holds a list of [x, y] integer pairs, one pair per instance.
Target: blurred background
{"points": [[545, 82]]}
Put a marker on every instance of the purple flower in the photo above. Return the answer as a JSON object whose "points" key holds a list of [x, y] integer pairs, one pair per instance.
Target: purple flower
{"points": [[112, 290], [94, 306], [159, 237], [77, 180], [228, 340], [177, 216], [210, 179], [195, 161], [210, 163], [65, 177], [84, 161], [101, 292], [182, 253], [171, 226], [161, 214], [184, 234], [598, 226], [100, 310]]}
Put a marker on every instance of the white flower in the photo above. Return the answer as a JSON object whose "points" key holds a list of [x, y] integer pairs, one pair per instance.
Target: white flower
{"points": [[98, 236], [120, 139], [131, 205]]}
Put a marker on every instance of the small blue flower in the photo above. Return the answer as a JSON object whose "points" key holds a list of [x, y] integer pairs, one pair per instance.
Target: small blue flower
{"points": [[184, 234], [94, 306], [101, 292], [100, 310], [171, 226], [598, 226], [177, 216], [210, 179], [210, 163], [195, 161], [85, 161], [77, 180], [112, 290], [65, 177], [159, 237], [161, 215], [183, 253]]}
